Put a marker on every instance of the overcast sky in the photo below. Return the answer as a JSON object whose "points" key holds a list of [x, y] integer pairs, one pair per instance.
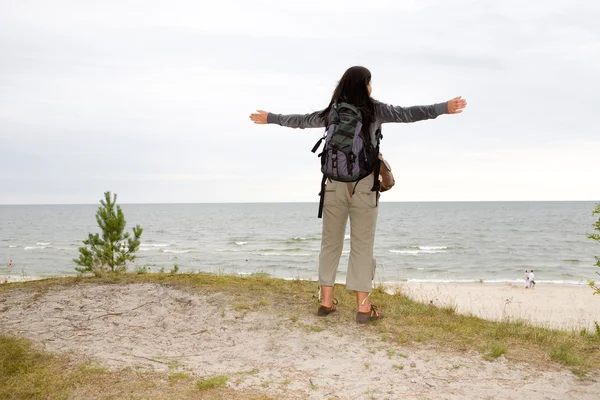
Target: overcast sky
{"points": [[150, 99]]}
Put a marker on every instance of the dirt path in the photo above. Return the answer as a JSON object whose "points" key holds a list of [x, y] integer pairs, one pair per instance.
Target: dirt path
{"points": [[161, 328]]}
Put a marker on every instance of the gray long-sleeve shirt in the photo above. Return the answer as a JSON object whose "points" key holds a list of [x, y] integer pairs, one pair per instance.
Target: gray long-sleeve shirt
{"points": [[384, 113]]}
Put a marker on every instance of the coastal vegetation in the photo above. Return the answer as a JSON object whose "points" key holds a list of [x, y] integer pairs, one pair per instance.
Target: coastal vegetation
{"points": [[596, 236], [110, 250]]}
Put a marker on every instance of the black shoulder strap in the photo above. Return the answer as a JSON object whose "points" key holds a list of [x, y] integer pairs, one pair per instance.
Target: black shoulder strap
{"points": [[322, 195], [376, 184], [314, 149]]}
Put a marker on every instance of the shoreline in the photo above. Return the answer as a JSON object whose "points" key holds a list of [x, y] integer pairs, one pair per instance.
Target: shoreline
{"points": [[565, 307], [551, 305], [386, 283]]}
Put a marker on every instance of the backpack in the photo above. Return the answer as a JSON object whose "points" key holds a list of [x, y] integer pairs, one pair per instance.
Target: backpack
{"points": [[347, 155]]}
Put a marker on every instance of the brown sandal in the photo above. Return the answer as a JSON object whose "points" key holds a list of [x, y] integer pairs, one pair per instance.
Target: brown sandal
{"points": [[325, 311], [369, 316]]}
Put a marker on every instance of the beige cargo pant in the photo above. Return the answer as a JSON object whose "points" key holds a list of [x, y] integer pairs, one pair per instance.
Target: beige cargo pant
{"points": [[339, 204]]}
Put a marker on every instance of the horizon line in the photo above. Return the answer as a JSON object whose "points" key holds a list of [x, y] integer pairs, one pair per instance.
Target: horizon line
{"points": [[300, 202]]}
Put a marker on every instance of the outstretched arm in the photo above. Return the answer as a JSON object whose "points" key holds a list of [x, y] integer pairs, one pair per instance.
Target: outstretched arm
{"points": [[389, 113], [312, 120]]}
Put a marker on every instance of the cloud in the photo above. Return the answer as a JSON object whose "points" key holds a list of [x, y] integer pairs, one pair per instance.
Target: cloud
{"points": [[152, 98]]}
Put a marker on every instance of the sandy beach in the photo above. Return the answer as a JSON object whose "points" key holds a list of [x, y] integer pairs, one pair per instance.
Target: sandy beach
{"points": [[150, 326], [554, 306]]}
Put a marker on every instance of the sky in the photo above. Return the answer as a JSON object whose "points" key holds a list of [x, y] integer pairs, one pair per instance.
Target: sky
{"points": [[150, 99]]}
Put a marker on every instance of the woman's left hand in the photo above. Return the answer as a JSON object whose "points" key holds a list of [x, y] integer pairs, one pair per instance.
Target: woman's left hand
{"points": [[456, 105], [259, 117]]}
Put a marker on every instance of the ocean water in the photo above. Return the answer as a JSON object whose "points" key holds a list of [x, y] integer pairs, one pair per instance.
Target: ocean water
{"points": [[418, 242]]}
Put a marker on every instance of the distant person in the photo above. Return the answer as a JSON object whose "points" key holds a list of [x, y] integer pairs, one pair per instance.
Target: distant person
{"points": [[532, 280], [10, 264], [526, 279], [359, 198]]}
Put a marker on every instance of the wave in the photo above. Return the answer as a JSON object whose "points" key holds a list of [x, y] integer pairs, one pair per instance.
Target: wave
{"points": [[230, 250], [282, 254], [432, 247], [571, 260], [275, 250], [12, 247], [241, 243], [176, 251], [35, 247], [44, 243], [155, 245], [416, 252], [297, 239]]}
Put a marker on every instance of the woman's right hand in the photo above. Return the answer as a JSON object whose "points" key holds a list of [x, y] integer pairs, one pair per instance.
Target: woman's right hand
{"points": [[456, 105], [259, 117]]}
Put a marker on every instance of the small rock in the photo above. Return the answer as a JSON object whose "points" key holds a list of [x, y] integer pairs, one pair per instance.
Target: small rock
{"points": [[430, 384], [413, 381], [413, 364]]}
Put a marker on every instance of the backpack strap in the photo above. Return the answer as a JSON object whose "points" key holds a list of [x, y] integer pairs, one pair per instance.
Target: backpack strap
{"points": [[314, 149], [376, 184], [322, 195]]}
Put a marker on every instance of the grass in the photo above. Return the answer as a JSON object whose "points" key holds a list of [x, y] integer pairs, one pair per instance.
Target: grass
{"points": [[29, 373], [211, 382], [494, 351], [407, 322], [309, 328], [566, 355], [178, 376]]}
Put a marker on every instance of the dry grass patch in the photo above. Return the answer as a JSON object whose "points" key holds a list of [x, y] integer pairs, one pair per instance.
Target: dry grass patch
{"points": [[29, 373]]}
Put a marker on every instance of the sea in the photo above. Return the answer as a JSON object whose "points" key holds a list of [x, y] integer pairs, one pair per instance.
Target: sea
{"points": [[490, 242]]}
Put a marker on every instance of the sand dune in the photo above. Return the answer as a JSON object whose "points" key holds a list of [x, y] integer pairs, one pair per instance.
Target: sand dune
{"points": [[149, 326]]}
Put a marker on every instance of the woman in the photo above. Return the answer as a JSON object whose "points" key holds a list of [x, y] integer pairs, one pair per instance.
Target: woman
{"points": [[354, 200]]}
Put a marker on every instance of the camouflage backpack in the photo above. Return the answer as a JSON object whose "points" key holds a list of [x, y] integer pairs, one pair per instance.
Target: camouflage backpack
{"points": [[347, 156]]}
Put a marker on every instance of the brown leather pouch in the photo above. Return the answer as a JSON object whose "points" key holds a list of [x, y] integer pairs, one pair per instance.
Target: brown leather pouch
{"points": [[385, 175]]}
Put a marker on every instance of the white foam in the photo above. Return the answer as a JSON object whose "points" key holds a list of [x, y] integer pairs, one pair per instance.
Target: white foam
{"points": [[488, 281], [176, 251], [35, 247], [416, 252], [43, 243], [283, 254], [12, 247], [300, 238], [155, 245], [18, 278], [241, 243], [433, 248]]}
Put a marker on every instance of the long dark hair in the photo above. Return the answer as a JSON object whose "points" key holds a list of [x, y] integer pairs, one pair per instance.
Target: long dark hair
{"points": [[352, 89]]}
